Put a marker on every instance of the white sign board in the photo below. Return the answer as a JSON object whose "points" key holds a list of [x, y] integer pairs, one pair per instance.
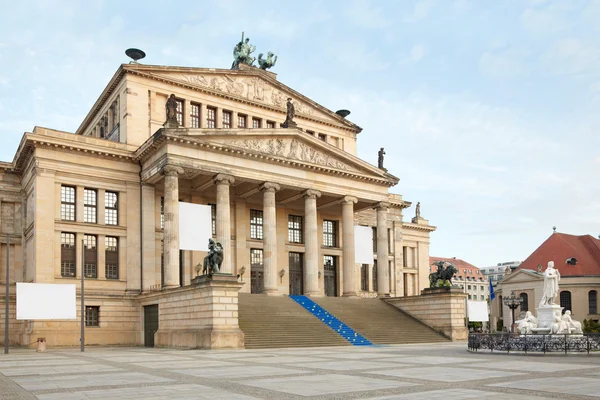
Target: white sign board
{"points": [[363, 245], [195, 226], [477, 311], [46, 301]]}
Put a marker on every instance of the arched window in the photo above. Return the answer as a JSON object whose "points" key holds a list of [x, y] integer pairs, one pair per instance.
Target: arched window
{"points": [[593, 301], [525, 303], [565, 300]]}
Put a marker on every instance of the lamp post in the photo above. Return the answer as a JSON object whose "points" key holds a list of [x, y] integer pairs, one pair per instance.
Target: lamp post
{"points": [[512, 302]]}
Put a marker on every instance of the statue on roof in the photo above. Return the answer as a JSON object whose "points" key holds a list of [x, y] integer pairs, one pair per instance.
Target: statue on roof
{"points": [[171, 107], [380, 155], [242, 53], [268, 62], [418, 210], [289, 118]]}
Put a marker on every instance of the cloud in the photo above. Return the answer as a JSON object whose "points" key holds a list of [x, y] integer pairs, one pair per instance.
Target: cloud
{"points": [[421, 10], [364, 14], [547, 20], [506, 63], [417, 53], [571, 56]]}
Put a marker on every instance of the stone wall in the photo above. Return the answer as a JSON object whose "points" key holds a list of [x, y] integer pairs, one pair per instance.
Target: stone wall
{"points": [[441, 309]]}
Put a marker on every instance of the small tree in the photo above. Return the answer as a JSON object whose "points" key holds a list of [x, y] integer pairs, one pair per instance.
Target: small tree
{"points": [[590, 326]]}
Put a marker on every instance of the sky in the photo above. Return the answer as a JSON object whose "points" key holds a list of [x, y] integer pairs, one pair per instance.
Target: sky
{"points": [[489, 111]]}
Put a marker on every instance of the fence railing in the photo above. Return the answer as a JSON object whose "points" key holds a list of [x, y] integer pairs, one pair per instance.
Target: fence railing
{"points": [[587, 342]]}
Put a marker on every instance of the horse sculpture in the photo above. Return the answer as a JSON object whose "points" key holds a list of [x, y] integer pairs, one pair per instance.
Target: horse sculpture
{"points": [[214, 259], [268, 62], [444, 274]]}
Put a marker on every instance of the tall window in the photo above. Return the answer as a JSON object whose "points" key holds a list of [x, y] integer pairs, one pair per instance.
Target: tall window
{"points": [[295, 229], [194, 115], [364, 277], [256, 224], [111, 208], [67, 203], [242, 121], [593, 302], [270, 125], [179, 111], [90, 197], [162, 213], [211, 117], [256, 258], [111, 255], [90, 265], [565, 300], [374, 239], [330, 233], [67, 254], [227, 119], [213, 218], [374, 276], [525, 303], [256, 123], [92, 316]]}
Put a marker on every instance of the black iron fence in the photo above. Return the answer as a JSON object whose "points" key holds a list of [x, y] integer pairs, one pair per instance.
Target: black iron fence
{"points": [[566, 343]]}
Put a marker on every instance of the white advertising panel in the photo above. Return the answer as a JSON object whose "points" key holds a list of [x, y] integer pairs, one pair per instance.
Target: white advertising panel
{"points": [[363, 245], [477, 311], [42, 301], [195, 226]]}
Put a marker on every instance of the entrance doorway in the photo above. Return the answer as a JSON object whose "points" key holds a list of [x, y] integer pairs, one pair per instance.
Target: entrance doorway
{"points": [[257, 271], [296, 273], [330, 275], [150, 324]]}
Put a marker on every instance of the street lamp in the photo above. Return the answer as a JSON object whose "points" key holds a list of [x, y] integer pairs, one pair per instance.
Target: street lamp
{"points": [[512, 302]]}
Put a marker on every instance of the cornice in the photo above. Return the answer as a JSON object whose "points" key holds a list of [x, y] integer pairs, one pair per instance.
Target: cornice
{"points": [[426, 228]]}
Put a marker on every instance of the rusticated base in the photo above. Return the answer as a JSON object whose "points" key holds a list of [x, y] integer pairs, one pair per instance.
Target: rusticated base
{"points": [[207, 338]]}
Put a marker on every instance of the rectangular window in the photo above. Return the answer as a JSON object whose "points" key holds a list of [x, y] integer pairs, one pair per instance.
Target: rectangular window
{"points": [[374, 228], [593, 302], [213, 217], [92, 314], [330, 233], [256, 224], [256, 123], [111, 208], [67, 203], [67, 254], [295, 229], [111, 255], [242, 121], [211, 117], [194, 115], [226, 119], [256, 257], [90, 197], [322, 137], [179, 112], [270, 125], [90, 252]]}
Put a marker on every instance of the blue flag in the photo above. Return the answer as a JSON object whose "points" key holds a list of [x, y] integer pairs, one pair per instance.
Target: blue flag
{"points": [[492, 294]]}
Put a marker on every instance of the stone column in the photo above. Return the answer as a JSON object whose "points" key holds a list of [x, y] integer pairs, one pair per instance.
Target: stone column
{"points": [[171, 230], [383, 275], [311, 265], [224, 219], [350, 276], [270, 237]]}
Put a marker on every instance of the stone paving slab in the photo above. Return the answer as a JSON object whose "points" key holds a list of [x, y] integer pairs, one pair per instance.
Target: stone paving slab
{"points": [[573, 385], [445, 374], [82, 381], [453, 394]]}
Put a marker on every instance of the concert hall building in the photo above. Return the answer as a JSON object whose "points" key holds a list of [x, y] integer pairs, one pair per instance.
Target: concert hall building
{"points": [[284, 200]]}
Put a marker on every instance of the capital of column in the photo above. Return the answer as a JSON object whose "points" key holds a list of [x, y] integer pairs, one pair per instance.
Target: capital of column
{"points": [[382, 205], [312, 194], [224, 179], [349, 200], [269, 187], [172, 170]]}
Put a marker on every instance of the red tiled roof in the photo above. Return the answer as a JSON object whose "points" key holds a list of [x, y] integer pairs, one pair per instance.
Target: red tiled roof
{"points": [[561, 246], [461, 265]]}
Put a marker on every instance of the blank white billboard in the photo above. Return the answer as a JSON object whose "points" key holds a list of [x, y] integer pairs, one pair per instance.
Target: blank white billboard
{"points": [[46, 301], [477, 311], [195, 226], [363, 245]]}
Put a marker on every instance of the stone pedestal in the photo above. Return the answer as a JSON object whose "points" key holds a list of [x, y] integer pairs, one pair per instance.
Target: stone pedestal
{"points": [[203, 315], [546, 314]]}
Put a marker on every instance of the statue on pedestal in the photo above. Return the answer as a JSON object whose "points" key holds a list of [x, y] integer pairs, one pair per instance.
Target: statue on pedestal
{"points": [[443, 276], [551, 279], [214, 259], [242, 53], [573, 326], [291, 113], [418, 210], [171, 112], [527, 324], [268, 62], [380, 155]]}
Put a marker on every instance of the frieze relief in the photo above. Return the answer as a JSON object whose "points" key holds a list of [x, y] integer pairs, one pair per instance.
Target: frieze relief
{"points": [[251, 88], [292, 149]]}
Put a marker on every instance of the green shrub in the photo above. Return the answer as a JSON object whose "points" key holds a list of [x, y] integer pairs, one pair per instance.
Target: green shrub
{"points": [[591, 326]]}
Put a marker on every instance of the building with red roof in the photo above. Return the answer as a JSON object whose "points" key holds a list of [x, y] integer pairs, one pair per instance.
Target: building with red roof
{"points": [[577, 258]]}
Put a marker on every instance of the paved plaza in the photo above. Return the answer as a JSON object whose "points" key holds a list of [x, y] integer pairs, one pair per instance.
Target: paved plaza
{"points": [[402, 372]]}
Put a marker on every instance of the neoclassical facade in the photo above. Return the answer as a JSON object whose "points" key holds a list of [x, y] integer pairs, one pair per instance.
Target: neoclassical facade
{"points": [[104, 201]]}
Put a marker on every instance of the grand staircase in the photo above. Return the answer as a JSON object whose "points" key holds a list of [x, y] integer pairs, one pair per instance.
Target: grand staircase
{"points": [[379, 322], [278, 321]]}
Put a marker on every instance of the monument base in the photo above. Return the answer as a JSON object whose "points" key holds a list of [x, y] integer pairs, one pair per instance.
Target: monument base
{"points": [[546, 315]]}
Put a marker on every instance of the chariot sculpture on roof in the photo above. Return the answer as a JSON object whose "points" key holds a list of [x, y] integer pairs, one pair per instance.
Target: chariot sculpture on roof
{"points": [[242, 54]]}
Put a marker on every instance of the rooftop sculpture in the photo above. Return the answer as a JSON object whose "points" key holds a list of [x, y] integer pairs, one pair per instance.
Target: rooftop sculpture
{"points": [[242, 54]]}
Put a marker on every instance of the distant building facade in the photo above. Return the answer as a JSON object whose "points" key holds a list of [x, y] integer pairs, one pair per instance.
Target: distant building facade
{"points": [[469, 278], [496, 273]]}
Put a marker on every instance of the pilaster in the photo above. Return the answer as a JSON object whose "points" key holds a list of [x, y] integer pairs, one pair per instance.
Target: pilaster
{"points": [[224, 219], [383, 276]]}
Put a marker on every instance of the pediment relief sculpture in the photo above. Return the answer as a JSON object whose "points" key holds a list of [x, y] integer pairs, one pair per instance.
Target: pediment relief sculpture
{"points": [[292, 149]]}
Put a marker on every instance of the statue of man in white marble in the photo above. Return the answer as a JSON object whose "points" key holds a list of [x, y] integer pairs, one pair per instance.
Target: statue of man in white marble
{"points": [[574, 326], [551, 278], [527, 324]]}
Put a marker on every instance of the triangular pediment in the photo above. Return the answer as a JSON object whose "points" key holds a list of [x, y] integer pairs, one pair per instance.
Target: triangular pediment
{"points": [[252, 85], [522, 275]]}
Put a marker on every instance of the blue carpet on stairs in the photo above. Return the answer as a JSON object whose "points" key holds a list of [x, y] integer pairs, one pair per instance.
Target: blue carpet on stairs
{"points": [[332, 322]]}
